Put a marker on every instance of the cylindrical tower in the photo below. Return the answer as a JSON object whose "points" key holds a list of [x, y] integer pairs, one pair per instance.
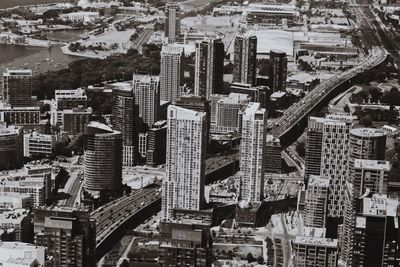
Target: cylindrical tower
{"points": [[367, 143], [103, 159]]}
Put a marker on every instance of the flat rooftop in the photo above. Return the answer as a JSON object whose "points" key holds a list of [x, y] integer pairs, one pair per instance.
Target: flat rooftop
{"points": [[380, 165], [368, 132], [316, 241], [316, 180]]}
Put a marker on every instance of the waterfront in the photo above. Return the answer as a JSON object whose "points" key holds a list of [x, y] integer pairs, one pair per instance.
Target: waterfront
{"points": [[40, 60], [13, 3]]}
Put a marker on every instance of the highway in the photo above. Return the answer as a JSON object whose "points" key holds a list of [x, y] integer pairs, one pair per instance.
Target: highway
{"points": [[297, 111], [143, 37], [110, 216]]}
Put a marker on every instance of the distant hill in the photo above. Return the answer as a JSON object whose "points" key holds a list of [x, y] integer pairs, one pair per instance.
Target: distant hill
{"points": [[13, 3]]}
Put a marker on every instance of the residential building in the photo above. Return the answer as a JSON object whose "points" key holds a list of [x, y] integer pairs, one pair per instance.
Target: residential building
{"points": [[17, 88], [226, 112], [125, 118], [278, 74], [273, 155], [313, 147], [171, 72], [66, 100], [315, 251], [376, 235], [252, 153], [172, 22], [208, 77], [316, 202], [157, 144], [183, 186], [147, 97], [245, 59], [102, 160], [334, 162], [185, 243], [257, 93], [11, 147], [69, 234]]}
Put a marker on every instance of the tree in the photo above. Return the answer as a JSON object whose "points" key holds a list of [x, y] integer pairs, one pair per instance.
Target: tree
{"points": [[366, 121], [346, 108], [250, 258], [260, 260]]}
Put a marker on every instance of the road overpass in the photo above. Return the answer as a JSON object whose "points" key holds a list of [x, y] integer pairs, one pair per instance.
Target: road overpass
{"points": [[294, 120]]}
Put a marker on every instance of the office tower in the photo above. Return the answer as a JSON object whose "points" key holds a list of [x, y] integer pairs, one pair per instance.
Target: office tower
{"points": [[334, 160], [376, 239], [17, 87], [147, 97], [313, 147], [245, 59], [316, 202], [103, 160], [171, 72], [39, 145], [172, 22], [186, 153], [315, 251], [273, 155], [186, 242], [125, 119], [278, 74], [252, 153], [157, 143], [226, 112], [75, 120], [69, 234], [11, 147], [208, 77]]}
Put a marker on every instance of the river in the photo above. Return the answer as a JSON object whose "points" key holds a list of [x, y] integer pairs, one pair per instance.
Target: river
{"points": [[13, 3]]}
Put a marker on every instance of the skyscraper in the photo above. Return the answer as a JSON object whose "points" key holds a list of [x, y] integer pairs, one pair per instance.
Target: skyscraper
{"points": [[208, 77], [103, 160], [252, 152], [278, 72], [147, 97], [172, 22], [316, 202], [183, 186], [245, 59], [313, 147], [334, 160], [17, 87], [171, 72], [125, 119], [368, 174]]}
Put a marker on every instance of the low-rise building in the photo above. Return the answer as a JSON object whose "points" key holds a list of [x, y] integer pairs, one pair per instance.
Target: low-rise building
{"points": [[39, 145], [20, 254], [19, 115], [315, 251], [17, 221]]}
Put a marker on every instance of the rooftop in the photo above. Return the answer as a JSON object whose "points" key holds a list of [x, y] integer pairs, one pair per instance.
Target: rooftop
{"points": [[380, 205], [316, 180], [316, 241], [368, 132], [372, 164], [20, 72]]}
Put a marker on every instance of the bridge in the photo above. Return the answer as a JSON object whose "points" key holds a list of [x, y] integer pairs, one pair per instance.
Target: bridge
{"points": [[145, 202], [293, 121]]}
